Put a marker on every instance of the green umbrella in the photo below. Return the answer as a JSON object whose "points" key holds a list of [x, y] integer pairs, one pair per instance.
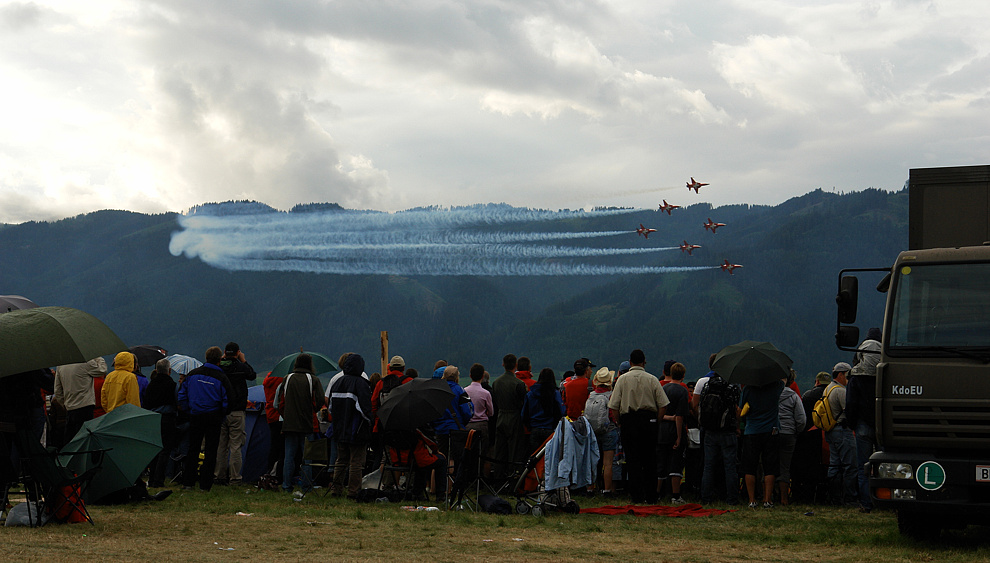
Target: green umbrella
{"points": [[133, 437], [321, 363], [52, 336], [752, 363]]}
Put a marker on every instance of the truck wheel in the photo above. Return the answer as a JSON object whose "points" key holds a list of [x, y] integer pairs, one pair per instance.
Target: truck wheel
{"points": [[918, 526]]}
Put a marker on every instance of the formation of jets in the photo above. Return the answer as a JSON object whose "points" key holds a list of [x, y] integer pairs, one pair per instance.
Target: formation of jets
{"points": [[713, 225], [645, 231], [709, 226], [688, 247]]}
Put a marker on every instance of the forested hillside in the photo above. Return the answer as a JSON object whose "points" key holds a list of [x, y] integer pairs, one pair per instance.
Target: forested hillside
{"points": [[117, 266]]}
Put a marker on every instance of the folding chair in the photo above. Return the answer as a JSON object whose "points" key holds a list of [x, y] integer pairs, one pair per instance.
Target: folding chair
{"points": [[316, 455], [59, 488]]}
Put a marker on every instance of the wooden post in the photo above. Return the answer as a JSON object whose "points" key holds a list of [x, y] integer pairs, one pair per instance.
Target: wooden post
{"points": [[384, 339]]}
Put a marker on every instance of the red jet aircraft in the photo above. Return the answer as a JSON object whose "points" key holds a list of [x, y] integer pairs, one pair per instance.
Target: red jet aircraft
{"points": [[668, 207], [644, 231], [713, 225], [729, 267], [693, 185], [688, 247]]}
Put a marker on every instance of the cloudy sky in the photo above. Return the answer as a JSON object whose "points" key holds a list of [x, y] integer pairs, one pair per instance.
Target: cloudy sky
{"points": [[160, 105]]}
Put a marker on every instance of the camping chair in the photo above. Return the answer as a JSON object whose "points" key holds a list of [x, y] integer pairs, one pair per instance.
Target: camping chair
{"points": [[467, 469], [57, 486], [403, 475], [316, 455]]}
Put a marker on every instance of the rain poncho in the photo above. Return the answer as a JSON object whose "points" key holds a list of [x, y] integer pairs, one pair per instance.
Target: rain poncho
{"points": [[121, 385]]}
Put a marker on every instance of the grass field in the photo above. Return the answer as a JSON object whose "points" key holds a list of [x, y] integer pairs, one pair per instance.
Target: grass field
{"points": [[195, 526]]}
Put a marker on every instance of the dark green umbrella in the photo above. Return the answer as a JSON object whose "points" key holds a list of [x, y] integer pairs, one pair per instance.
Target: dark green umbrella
{"points": [[321, 363], [132, 434], [752, 363], [52, 336]]}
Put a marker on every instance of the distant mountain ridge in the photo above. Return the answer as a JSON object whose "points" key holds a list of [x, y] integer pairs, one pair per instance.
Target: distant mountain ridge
{"points": [[117, 266]]}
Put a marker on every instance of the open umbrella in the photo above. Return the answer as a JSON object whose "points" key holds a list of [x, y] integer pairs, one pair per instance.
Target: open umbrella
{"points": [[10, 303], [321, 363], [182, 364], [52, 336], [415, 403], [133, 437], [147, 355], [752, 363]]}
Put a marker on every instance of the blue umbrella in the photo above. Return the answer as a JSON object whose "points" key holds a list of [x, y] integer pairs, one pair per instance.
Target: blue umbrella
{"points": [[182, 364]]}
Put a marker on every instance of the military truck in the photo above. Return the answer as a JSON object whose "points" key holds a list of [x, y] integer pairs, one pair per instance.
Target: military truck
{"points": [[933, 378]]}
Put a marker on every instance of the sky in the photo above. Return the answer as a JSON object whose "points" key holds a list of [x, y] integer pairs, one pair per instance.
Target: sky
{"points": [[156, 106]]}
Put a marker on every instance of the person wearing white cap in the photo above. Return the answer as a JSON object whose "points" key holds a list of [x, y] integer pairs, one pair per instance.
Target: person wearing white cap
{"points": [[841, 439]]}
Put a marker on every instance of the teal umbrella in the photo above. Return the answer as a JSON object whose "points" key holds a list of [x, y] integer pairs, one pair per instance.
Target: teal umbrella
{"points": [[52, 336], [133, 437], [752, 363], [321, 363]]}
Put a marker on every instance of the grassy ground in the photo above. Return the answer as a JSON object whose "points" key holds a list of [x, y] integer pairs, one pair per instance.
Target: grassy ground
{"points": [[195, 526]]}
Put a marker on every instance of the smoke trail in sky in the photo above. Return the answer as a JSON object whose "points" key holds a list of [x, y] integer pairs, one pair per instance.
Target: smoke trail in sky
{"points": [[492, 240]]}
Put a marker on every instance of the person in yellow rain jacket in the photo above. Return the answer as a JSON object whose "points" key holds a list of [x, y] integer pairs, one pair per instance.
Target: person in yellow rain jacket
{"points": [[121, 385]]}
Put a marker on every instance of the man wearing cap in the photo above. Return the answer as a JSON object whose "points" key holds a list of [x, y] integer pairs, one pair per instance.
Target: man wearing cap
{"points": [[639, 400], [575, 391], [232, 431], [841, 439], [395, 377]]}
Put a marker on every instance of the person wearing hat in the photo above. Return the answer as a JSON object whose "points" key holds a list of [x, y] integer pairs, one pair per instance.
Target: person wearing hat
{"points": [[232, 431], [841, 439], [395, 377], [602, 422], [575, 391]]}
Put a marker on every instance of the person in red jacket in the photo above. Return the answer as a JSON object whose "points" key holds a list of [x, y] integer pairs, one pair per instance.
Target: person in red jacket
{"points": [[524, 373], [575, 391], [276, 448]]}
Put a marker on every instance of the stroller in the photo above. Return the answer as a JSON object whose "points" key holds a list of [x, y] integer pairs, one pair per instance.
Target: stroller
{"points": [[571, 446]]}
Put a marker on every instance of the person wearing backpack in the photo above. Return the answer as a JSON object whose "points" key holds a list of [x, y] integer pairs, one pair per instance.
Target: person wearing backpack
{"points": [[841, 439], [718, 416], [606, 430]]}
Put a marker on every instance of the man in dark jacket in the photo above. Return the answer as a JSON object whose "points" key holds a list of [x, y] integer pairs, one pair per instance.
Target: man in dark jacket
{"points": [[204, 394], [508, 394], [350, 410], [232, 431], [299, 401]]}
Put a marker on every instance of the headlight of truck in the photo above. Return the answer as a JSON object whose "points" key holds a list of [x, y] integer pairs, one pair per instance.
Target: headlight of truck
{"points": [[895, 471]]}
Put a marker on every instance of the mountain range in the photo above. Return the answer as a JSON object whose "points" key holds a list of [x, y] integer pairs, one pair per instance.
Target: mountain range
{"points": [[117, 266]]}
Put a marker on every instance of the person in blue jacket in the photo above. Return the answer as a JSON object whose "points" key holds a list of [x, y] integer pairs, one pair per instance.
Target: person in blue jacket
{"points": [[542, 409], [457, 415], [205, 395]]}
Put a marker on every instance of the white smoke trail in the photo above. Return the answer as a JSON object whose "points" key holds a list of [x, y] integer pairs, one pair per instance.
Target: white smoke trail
{"points": [[458, 241]]}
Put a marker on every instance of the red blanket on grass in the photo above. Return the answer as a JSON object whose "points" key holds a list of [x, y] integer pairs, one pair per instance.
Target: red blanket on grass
{"points": [[681, 511]]}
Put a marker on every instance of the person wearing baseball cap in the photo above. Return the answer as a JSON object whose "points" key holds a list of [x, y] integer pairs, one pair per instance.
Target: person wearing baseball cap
{"points": [[841, 439]]}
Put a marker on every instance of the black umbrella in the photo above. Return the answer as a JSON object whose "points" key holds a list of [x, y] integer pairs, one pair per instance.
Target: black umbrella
{"points": [[147, 355], [414, 404], [10, 303], [752, 363]]}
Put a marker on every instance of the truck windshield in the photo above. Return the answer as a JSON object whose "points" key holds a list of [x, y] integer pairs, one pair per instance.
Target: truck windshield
{"points": [[941, 306]]}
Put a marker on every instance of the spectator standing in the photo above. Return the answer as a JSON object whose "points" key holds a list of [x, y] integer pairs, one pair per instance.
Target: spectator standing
{"points": [[575, 391], [160, 397], [761, 438], [205, 394], [481, 400], [74, 390], [509, 394], [350, 405], [672, 437], [276, 444], [639, 400], [301, 398], [121, 385], [841, 440], [790, 411], [718, 411], [542, 409], [861, 410], [603, 423], [524, 373], [232, 431]]}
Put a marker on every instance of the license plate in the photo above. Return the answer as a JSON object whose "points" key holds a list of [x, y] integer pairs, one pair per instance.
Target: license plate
{"points": [[983, 473]]}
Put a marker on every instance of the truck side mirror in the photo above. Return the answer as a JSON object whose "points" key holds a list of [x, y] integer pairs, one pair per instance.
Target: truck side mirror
{"points": [[847, 299], [847, 336]]}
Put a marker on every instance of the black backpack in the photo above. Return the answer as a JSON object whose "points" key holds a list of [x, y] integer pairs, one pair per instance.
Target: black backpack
{"points": [[718, 405], [390, 382]]}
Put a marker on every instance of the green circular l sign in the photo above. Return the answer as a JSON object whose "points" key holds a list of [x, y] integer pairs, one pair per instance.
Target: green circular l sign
{"points": [[931, 476]]}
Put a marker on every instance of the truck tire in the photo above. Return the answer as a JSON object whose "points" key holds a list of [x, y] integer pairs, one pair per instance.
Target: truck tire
{"points": [[919, 526]]}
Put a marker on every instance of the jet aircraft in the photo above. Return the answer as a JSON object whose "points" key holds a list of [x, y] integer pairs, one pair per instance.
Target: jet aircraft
{"points": [[713, 225], [688, 247], [694, 185], [729, 267], [645, 231], [668, 207]]}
